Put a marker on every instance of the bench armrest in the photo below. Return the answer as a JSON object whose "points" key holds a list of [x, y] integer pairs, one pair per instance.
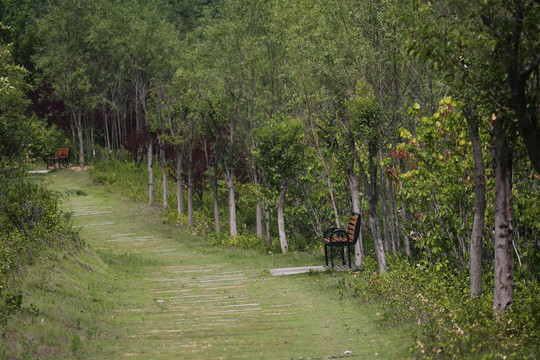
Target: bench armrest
{"points": [[329, 231]]}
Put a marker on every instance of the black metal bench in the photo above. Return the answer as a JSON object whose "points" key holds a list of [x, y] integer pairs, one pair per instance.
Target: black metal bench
{"points": [[344, 239], [62, 157]]}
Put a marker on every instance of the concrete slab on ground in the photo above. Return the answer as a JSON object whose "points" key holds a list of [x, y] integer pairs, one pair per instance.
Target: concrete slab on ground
{"points": [[38, 171], [306, 269]]}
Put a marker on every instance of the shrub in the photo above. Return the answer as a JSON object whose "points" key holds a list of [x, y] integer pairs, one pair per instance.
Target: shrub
{"points": [[447, 323], [30, 225]]}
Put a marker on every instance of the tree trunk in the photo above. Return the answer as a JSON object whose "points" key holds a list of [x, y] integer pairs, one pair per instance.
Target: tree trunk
{"points": [[106, 127], [179, 185], [503, 262], [78, 125], [75, 152], [215, 198], [394, 219], [319, 152], [190, 186], [385, 210], [479, 205], [281, 216], [259, 214], [150, 170], [229, 178], [373, 201], [163, 162], [268, 235], [355, 199], [212, 177]]}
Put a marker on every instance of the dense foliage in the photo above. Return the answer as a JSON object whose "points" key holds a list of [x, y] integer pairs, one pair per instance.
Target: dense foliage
{"points": [[30, 221], [448, 322]]}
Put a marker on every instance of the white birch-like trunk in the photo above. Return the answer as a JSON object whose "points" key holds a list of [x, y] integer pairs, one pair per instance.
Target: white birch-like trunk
{"points": [[355, 199], [179, 185], [281, 217], [229, 177], [150, 170], [163, 161]]}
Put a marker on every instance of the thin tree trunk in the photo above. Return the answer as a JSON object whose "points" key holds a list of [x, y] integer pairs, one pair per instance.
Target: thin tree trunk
{"points": [[503, 262], [75, 152], [258, 208], [86, 127], [150, 159], [281, 216], [179, 185], [78, 125], [354, 185], [319, 152], [373, 202], [215, 197], [394, 220], [163, 162], [479, 206], [106, 126], [385, 209], [406, 242], [190, 186], [229, 178], [212, 177], [268, 235]]}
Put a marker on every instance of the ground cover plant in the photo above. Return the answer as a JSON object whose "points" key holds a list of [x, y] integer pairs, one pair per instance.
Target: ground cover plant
{"points": [[31, 225], [448, 323]]}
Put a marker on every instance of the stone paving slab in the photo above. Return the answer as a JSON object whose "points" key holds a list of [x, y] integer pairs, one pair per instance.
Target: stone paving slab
{"points": [[306, 269]]}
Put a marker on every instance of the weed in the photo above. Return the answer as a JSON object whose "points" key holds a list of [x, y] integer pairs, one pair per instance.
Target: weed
{"points": [[75, 343]]}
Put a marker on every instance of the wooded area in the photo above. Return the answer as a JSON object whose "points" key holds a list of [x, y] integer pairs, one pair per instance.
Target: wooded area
{"points": [[422, 116]]}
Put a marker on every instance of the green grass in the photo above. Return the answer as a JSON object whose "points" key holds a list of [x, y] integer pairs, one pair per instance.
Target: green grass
{"points": [[147, 290]]}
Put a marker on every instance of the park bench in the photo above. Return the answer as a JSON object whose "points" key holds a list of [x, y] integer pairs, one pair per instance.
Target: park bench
{"points": [[343, 239], [62, 157]]}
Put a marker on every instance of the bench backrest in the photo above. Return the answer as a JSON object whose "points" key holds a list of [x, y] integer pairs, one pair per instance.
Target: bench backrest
{"points": [[63, 152], [353, 229]]}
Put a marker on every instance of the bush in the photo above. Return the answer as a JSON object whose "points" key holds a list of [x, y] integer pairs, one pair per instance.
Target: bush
{"points": [[30, 225], [447, 323], [245, 240]]}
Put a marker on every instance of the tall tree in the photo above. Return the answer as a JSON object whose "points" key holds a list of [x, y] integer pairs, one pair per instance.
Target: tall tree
{"points": [[63, 59], [280, 151], [366, 125], [490, 46]]}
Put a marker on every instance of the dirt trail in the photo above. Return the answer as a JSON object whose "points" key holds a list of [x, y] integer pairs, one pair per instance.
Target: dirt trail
{"points": [[176, 298]]}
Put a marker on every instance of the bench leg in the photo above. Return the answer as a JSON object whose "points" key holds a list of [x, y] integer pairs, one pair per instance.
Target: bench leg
{"points": [[332, 255], [326, 254]]}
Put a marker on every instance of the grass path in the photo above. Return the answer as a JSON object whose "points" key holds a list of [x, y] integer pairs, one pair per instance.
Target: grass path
{"points": [[172, 296]]}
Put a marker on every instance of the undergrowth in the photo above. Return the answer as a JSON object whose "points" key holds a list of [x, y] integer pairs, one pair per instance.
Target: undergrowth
{"points": [[447, 322], [31, 225], [131, 180]]}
